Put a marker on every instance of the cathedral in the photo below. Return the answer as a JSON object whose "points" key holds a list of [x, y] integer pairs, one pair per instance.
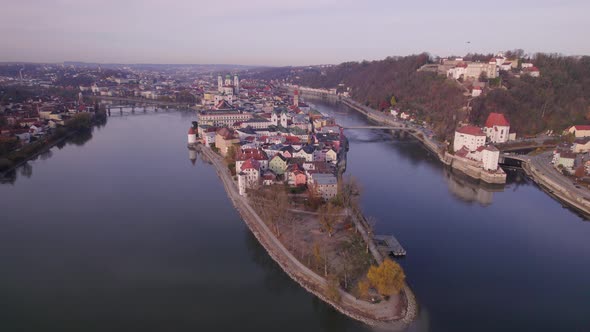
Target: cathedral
{"points": [[226, 87]]}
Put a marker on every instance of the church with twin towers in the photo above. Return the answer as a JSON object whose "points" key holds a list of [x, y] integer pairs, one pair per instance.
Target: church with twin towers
{"points": [[228, 87]]}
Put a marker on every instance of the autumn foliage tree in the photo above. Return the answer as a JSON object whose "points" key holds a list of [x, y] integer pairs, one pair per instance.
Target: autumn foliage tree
{"points": [[388, 278], [362, 288], [393, 101]]}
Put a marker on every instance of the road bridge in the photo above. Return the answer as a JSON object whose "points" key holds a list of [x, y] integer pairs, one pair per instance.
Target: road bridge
{"points": [[513, 160]]}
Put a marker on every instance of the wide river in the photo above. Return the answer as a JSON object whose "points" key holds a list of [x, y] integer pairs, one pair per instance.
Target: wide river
{"points": [[122, 232]]}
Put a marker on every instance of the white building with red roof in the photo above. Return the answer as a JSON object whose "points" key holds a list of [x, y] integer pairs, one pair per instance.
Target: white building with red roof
{"points": [[248, 175], [245, 153], [476, 91], [497, 128], [579, 131], [192, 136], [470, 137]]}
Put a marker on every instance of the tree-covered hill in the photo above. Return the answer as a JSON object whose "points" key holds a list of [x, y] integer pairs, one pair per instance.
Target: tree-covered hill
{"points": [[554, 101]]}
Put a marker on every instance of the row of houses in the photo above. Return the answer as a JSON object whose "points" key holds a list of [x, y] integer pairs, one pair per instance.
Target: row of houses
{"points": [[285, 142]]}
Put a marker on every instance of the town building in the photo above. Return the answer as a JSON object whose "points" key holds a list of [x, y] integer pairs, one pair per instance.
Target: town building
{"points": [[497, 128], [581, 145], [475, 69], [579, 131], [296, 175], [249, 176], [532, 71], [476, 91], [224, 139], [470, 137], [255, 154], [567, 160], [221, 118], [326, 184], [489, 157], [280, 118], [278, 164]]}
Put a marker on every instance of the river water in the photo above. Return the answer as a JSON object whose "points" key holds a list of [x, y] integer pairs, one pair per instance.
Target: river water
{"points": [[121, 231]]}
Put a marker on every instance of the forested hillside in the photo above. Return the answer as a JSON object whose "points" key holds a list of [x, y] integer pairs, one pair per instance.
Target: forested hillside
{"points": [[554, 101], [431, 97], [557, 99]]}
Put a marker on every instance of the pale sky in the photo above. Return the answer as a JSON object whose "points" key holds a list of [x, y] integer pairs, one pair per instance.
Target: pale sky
{"points": [[275, 32]]}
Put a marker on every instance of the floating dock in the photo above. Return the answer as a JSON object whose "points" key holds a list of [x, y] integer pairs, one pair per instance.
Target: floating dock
{"points": [[390, 244]]}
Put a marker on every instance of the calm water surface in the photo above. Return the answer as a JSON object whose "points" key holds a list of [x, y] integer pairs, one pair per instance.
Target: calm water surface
{"points": [[122, 232]]}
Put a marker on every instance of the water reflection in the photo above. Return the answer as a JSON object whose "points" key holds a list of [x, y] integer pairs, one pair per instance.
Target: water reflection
{"points": [[275, 280], [26, 169], [192, 155], [468, 190]]}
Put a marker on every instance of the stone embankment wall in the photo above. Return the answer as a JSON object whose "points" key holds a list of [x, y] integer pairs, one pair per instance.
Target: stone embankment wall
{"points": [[311, 281], [473, 170]]}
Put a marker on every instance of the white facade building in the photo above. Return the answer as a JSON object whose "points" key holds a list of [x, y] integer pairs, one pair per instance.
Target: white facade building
{"points": [[497, 128], [470, 137], [489, 158]]}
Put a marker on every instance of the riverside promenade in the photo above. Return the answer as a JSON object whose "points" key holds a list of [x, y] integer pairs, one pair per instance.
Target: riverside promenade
{"points": [[557, 185], [388, 315]]}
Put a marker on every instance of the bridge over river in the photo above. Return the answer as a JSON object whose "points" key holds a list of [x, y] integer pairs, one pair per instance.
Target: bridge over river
{"points": [[141, 101], [378, 127]]}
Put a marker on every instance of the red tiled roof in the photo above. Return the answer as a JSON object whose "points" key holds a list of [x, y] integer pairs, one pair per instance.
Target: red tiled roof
{"points": [[256, 154], [250, 164], [191, 131], [471, 130], [292, 139], [582, 127], [497, 119], [463, 152]]}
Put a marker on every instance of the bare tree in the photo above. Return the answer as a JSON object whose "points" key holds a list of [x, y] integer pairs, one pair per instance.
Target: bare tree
{"points": [[328, 218], [272, 205], [349, 188]]}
